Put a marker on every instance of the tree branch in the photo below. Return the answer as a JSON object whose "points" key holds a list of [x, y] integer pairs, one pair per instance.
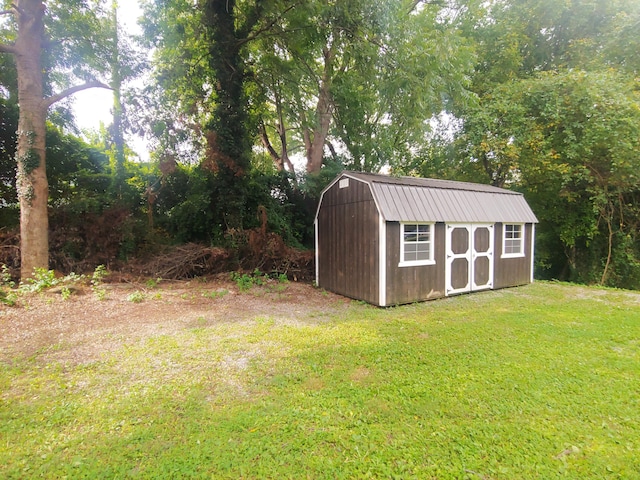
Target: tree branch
{"points": [[267, 144], [415, 4], [245, 37], [70, 91], [4, 48]]}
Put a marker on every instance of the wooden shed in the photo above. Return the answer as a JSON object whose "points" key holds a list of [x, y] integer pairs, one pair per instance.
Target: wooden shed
{"points": [[393, 240]]}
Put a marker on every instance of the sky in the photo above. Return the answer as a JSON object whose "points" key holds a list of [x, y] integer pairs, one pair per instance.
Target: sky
{"points": [[94, 105]]}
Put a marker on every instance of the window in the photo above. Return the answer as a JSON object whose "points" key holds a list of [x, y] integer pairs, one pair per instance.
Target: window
{"points": [[513, 240], [416, 244]]}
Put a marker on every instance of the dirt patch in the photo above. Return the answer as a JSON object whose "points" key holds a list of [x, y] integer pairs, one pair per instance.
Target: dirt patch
{"points": [[81, 328]]}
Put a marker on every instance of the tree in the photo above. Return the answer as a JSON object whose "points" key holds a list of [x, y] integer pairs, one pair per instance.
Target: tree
{"points": [[361, 78], [556, 114], [117, 75], [32, 186], [200, 71], [355, 79], [571, 142], [579, 161], [227, 131]]}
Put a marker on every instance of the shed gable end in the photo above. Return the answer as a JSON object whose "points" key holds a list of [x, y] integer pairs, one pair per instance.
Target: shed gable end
{"points": [[347, 241]]}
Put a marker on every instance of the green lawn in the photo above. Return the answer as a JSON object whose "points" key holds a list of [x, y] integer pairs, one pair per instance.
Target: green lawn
{"points": [[541, 381]]}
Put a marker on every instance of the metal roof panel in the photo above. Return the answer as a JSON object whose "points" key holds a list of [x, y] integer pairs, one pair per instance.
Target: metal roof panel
{"points": [[409, 199]]}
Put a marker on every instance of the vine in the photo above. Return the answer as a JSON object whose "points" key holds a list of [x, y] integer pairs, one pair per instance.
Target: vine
{"points": [[29, 160], [27, 163]]}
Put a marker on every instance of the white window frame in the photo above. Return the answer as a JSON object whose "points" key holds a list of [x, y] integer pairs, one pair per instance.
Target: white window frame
{"points": [[519, 254], [416, 263]]}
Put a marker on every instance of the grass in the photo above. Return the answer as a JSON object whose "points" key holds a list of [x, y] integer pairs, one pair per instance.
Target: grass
{"points": [[540, 382]]}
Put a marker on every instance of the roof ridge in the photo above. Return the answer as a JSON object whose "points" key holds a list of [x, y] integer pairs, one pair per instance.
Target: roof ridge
{"points": [[429, 182]]}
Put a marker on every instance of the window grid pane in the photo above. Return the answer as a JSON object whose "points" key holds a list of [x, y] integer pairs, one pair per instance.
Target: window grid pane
{"points": [[512, 231], [512, 239], [416, 242]]}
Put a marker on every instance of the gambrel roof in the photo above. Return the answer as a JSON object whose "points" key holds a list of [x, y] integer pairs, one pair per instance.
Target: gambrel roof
{"points": [[410, 199]]}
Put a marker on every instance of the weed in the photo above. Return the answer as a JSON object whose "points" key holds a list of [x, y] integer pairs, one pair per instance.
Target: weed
{"points": [[5, 277], [98, 275], [97, 278], [260, 278], [65, 292], [282, 278], [42, 278], [215, 294], [247, 281], [153, 283], [136, 297], [244, 282], [8, 298], [100, 293]]}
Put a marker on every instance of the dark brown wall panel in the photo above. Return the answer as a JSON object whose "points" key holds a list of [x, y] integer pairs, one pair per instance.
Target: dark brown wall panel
{"points": [[356, 192], [348, 242], [509, 272], [412, 284]]}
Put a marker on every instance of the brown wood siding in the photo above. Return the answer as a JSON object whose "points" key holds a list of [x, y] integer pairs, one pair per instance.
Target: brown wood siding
{"points": [[412, 284], [348, 242], [509, 272]]}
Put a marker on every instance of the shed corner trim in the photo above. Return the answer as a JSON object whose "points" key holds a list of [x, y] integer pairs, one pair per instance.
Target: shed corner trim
{"points": [[382, 261]]}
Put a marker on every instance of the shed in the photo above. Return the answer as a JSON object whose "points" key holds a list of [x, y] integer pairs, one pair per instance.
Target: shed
{"points": [[392, 240]]}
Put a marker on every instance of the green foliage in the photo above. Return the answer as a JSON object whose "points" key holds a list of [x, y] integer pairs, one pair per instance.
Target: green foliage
{"points": [[136, 297], [215, 294], [246, 281], [8, 139], [76, 171], [84, 25], [7, 296], [65, 292], [43, 279], [553, 120], [153, 283], [185, 206], [188, 211], [96, 282], [570, 141], [30, 160], [5, 277]]}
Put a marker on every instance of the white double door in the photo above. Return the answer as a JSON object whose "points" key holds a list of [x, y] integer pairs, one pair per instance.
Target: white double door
{"points": [[469, 257]]}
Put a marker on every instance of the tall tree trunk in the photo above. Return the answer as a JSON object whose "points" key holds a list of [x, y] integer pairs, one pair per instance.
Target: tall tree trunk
{"points": [[324, 112], [32, 185], [228, 148], [607, 214], [31, 172], [118, 172]]}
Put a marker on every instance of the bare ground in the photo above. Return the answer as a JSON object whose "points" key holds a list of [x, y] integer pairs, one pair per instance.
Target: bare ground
{"points": [[81, 328]]}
